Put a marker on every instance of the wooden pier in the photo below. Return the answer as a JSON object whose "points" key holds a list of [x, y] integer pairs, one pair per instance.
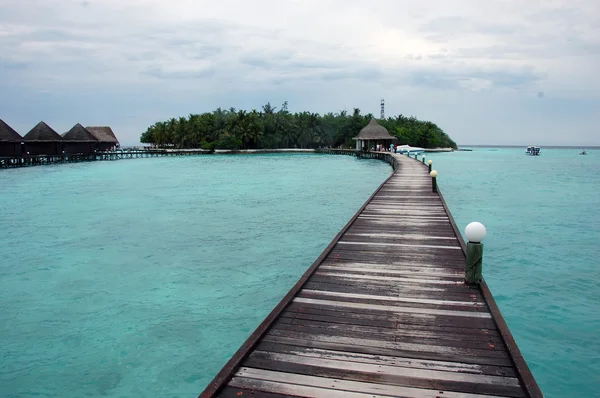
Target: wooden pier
{"points": [[38, 160], [384, 312]]}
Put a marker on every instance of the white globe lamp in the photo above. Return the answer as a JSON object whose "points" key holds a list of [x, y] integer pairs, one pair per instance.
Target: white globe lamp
{"points": [[475, 231], [433, 173]]}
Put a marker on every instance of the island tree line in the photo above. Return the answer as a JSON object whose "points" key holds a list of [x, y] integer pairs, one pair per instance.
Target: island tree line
{"points": [[271, 128]]}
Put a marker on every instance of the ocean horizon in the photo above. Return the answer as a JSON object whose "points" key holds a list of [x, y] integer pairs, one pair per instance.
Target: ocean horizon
{"points": [[540, 145]]}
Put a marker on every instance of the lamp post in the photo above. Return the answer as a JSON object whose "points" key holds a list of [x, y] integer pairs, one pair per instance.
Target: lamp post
{"points": [[475, 232], [433, 175], [423, 159]]}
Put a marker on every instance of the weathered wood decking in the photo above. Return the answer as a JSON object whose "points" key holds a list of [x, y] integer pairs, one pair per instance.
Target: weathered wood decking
{"points": [[384, 312]]}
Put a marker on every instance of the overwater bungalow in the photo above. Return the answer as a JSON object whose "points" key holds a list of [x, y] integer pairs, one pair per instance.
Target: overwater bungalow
{"points": [[42, 140], [79, 140], [107, 140], [11, 142], [372, 135]]}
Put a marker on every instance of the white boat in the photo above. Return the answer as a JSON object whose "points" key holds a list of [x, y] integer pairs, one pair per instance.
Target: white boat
{"points": [[411, 150], [583, 152], [533, 150]]}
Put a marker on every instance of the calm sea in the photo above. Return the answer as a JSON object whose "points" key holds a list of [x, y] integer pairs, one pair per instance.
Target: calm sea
{"points": [[141, 277], [542, 252]]}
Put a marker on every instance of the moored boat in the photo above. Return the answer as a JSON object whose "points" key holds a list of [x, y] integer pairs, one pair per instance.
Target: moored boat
{"points": [[411, 150], [533, 150]]}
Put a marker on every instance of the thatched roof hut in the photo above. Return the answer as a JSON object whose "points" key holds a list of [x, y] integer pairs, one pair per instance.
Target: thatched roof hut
{"points": [[105, 136], [79, 133], [374, 132], [10, 141], [8, 134], [42, 140], [79, 140], [42, 132]]}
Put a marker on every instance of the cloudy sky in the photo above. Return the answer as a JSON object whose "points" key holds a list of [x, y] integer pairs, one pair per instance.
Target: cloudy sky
{"points": [[488, 72]]}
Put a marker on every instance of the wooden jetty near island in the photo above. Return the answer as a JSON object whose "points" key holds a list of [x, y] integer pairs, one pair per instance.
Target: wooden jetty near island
{"points": [[384, 312]]}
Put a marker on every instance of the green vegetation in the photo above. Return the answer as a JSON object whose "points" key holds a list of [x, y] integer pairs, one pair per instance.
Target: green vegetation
{"points": [[271, 128]]}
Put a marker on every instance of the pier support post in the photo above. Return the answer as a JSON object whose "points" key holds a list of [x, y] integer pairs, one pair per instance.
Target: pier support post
{"points": [[430, 162], [475, 232], [433, 175]]}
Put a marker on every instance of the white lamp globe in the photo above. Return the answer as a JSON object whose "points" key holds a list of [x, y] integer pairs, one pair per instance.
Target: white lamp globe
{"points": [[423, 156], [429, 161], [433, 173], [475, 232]]}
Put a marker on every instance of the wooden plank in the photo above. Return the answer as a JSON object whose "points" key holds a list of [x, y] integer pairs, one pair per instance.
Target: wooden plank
{"points": [[472, 331], [390, 308], [462, 352], [393, 382], [401, 318], [344, 366], [406, 271], [394, 246], [385, 257], [410, 225], [396, 329], [397, 299], [399, 226], [320, 387], [394, 262], [392, 278], [399, 335], [420, 307], [415, 242], [415, 280], [396, 332], [391, 268], [388, 360], [334, 285], [344, 345], [398, 236], [409, 289]]}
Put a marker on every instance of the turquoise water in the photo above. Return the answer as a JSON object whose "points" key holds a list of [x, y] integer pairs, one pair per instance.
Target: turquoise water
{"points": [[542, 256], [140, 278]]}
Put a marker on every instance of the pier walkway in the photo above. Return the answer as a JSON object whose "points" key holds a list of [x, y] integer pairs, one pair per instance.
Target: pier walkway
{"points": [[384, 312], [7, 162]]}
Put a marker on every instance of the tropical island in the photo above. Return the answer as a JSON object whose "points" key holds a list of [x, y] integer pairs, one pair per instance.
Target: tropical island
{"points": [[272, 128]]}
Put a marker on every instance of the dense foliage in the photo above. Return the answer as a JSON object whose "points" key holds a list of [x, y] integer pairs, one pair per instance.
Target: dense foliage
{"points": [[271, 128]]}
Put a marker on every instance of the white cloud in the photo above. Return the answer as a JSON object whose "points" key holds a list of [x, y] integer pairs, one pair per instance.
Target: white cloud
{"points": [[146, 52]]}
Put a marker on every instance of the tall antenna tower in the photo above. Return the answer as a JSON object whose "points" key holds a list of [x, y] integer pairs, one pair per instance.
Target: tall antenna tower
{"points": [[382, 109]]}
